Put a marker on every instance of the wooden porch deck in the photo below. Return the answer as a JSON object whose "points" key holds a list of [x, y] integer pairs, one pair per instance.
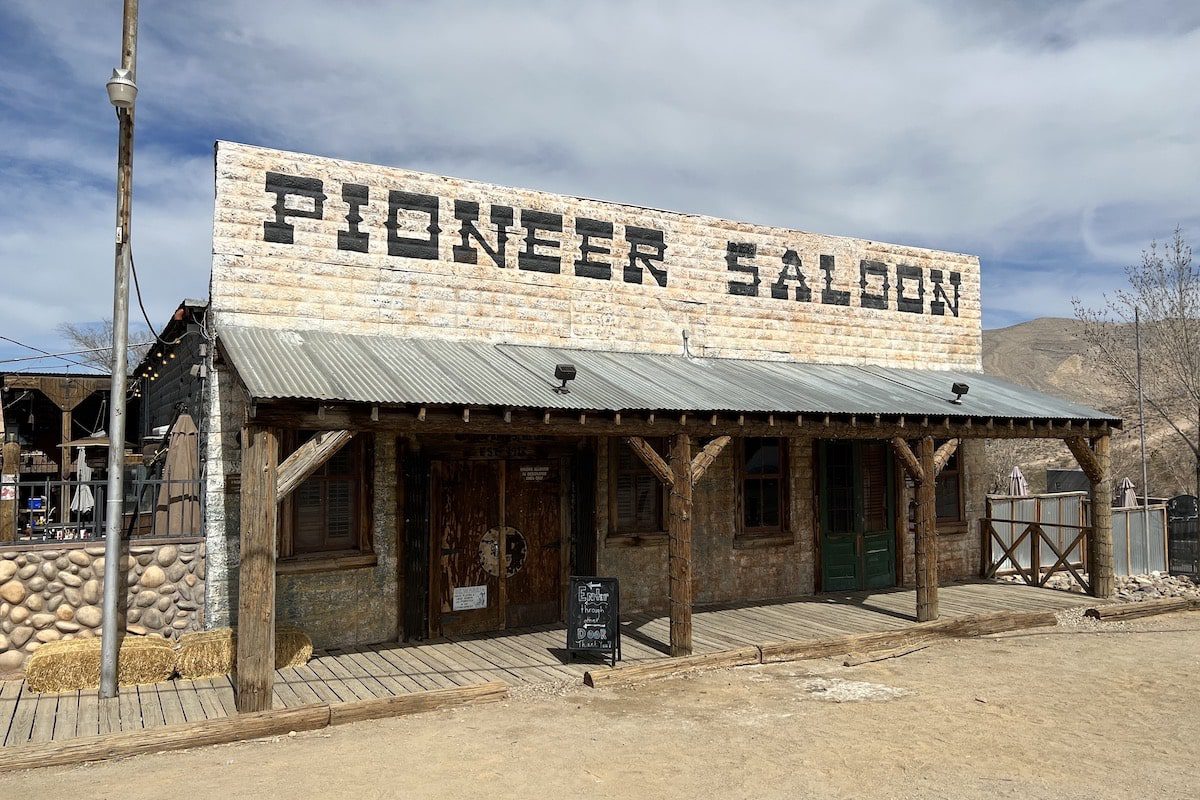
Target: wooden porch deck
{"points": [[524, 656]]}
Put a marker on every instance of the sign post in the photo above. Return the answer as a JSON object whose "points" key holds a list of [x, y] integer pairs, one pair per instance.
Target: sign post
{"points": [[593, 617]]}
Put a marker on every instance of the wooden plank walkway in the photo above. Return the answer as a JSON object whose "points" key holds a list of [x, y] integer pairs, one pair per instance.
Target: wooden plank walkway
{"points": [[524, 656]]}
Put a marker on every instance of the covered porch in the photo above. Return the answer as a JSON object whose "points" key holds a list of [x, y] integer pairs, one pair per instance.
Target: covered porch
{"points": [[417, 393], [528, 656]]}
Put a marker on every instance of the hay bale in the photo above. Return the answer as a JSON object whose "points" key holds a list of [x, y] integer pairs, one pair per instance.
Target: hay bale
{"points": [[208, 654], [73, 664]]}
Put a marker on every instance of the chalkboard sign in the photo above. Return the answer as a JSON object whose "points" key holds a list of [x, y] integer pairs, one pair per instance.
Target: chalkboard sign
{"points": [[593, 611]]}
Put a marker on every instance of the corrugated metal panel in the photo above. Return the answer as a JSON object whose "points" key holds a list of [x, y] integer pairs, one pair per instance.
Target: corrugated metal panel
{"points": [[319, 365]]}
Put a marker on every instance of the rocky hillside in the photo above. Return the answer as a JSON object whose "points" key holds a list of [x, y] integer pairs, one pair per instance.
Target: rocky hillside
{"points": [[1050, 355]]}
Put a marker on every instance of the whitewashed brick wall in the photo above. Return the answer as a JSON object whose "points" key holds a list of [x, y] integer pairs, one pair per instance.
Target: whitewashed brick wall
{"points": [[311, 283]]}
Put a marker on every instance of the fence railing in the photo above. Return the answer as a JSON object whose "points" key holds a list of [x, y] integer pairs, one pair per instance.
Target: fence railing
{"points": [[58, 510], [1025, 549]]}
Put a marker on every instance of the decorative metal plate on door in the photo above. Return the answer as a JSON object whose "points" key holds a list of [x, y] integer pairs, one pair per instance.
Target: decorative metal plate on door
{"points": [[514, 546]]}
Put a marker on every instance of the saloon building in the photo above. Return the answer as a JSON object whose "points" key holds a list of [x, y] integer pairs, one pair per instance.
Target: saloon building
{"points": [[431, 400]]}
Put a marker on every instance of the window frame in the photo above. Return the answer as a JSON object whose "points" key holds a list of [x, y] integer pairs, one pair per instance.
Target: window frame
{"points": [[362, 477], [948, 524], [782, 533], [614, 457]]}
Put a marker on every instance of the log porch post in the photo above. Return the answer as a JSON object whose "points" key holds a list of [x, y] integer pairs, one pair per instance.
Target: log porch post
{"points": [[1096, 461], [8, 508], [255, 672], [679, 531], [679, 476], [927, 550], [924, 467]]}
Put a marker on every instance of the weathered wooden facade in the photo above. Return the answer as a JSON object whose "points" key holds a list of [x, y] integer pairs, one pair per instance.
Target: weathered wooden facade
{"points": [[431, 400]]}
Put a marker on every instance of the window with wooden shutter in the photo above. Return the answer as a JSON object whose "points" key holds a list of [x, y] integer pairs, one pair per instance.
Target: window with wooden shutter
{"points": [[330, 512], [637, 498]]}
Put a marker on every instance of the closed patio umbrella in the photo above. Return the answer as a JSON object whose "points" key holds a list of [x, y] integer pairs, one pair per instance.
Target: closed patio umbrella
{"points": [[1017, 485], [178, 508], [83, 502], [1127, 494]]}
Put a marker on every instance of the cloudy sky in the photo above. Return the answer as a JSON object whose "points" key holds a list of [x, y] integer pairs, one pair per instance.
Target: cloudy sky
{"points": [[1055, 140]]}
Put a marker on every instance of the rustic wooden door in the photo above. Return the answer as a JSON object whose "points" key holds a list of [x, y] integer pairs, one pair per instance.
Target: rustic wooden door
{"points": [[533, 523], [466, 499], [858, 534]]}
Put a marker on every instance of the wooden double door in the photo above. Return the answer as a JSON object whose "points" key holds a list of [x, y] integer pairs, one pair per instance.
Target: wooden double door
{"points": [[499, 543], [858, 519]]}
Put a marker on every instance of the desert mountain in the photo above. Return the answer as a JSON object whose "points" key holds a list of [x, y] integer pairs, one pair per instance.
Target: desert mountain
{"points": [[1051, 355]]}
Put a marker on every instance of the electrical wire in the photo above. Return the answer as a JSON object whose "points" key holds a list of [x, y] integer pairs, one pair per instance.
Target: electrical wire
{"points": [[137, 287], [66, 353], [46, 353]]}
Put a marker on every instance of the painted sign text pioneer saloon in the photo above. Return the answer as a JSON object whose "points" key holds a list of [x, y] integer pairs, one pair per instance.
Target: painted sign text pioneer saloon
{"points": [[593, 251]]}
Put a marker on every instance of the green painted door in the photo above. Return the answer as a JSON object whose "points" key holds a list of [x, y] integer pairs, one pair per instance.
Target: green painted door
{"points": [[858, 535]]}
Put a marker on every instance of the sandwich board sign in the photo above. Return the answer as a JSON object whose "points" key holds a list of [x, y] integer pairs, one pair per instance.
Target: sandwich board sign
{"points": [[593, 617]]}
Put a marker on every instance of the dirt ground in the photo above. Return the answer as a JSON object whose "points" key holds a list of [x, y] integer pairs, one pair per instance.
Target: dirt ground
{"points": [[1080, 712]]}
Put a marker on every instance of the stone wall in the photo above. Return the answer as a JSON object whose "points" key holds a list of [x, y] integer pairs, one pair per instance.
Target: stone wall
{"points": [[337, 608], [55, 592], [305, 242], [351, 607], [958, 546], [725, 568]]}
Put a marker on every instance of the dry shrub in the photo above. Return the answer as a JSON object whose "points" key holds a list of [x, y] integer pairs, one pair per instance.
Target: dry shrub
{"points": [[208, 654], [73, 664]]}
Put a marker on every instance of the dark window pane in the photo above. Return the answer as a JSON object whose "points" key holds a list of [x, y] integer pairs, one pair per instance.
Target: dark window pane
{"points": [[874, 477], [341, 462], [637, 493], [948, 506], [753, 504], [762, 457], [770, 501], [339, 509]]}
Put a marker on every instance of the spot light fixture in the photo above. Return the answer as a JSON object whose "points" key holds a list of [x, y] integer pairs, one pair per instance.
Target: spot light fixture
{"points": [[959, 390], [564, 373]]}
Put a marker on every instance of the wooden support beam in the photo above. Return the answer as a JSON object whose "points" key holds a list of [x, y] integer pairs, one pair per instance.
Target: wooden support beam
{"points": [[421, 414], [11, 474], [640, 672], [953, 628], [416, 702], [401, 421], [184, 735], [653, 461], [1146, 608], [255, 673], [908, 459], [707, 456], [927, 555], [1082, 451], [1096, 462], [679, 546], [307, 459], [943, 456]]}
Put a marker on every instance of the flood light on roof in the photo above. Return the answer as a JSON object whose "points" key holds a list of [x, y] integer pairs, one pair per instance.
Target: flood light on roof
{"points": [[959, 390], [564, 373]]}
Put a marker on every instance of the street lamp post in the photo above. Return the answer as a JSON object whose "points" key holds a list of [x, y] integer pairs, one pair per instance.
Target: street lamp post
{"points": [[122, 92]]}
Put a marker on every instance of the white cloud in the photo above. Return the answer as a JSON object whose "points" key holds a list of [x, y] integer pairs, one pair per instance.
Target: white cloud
{"points": [[1063, 135]]}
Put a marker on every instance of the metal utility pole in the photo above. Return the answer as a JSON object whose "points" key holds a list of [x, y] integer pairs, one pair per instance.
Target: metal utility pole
{"points": [[1137, 338], [122, 90]]}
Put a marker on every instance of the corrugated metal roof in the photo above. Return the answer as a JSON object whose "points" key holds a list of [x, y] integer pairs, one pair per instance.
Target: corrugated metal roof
{"points": [[319, 365]]}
